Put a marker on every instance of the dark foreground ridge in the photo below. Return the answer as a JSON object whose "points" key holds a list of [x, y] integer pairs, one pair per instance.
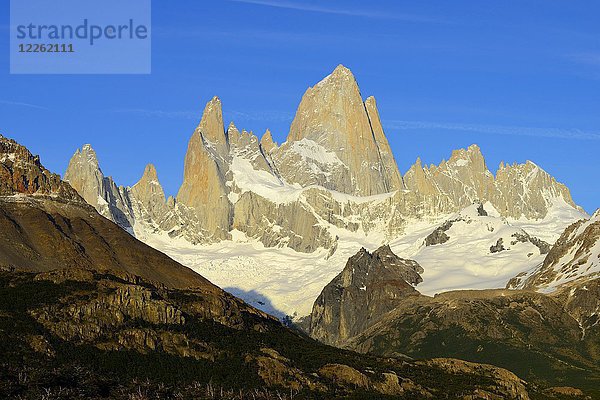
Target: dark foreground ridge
{"points": [[77, 333]]}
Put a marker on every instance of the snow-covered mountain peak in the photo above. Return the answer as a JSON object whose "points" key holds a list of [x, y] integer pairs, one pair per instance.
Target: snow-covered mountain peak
{"points": [[330, 188], [574, 258]]}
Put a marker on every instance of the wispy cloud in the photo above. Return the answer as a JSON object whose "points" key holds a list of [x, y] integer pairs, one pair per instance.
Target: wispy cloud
{"points": [[340, 11], [158, 113], [558, 133], [21, 104], [586, 58], [268, 116]]}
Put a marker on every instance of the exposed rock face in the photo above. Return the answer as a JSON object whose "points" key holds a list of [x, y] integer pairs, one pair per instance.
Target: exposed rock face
{"points": [[203, 189], [85, 176], [103, 317], [582, 300], [267, 144], [527, 190], [22, 173], [518, 190], [211, 125], [279, 225], [369, 286], [571, 273], [150, 195], [388, 162], [333, 141]]}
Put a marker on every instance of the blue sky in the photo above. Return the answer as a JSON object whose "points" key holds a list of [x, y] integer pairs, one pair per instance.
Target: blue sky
{"points": [[521, 79]]}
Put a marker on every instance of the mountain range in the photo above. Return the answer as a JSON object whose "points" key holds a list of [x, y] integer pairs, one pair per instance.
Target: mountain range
{"points": [[332, 187]]}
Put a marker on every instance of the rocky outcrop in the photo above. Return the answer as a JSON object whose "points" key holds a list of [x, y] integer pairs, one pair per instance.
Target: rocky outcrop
{"points": [[21, 173], [135, 315], [439, 236], [369, 286], [511, 385]]}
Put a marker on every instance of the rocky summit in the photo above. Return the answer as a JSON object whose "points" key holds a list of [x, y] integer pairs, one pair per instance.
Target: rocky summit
{"points": [[336, 141], [574, 259], [369, 285], [21, 174]]}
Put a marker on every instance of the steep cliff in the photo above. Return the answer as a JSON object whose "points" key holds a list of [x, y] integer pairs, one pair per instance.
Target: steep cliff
{"points": [[369, 286]]}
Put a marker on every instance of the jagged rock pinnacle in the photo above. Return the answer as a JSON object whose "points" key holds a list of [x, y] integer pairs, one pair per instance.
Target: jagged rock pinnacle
{"points": [[150, 173], [333, 120], [211, 125]]}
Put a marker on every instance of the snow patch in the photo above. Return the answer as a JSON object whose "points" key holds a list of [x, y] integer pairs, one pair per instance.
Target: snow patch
{"points": [[8, 156], [310, 150]]}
